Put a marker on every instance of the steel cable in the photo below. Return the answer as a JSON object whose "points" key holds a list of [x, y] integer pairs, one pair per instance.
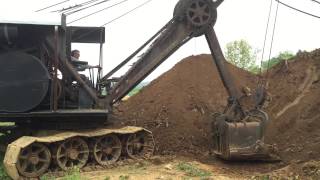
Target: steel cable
{"points": [[272, 39], [83, 17], [298, 9], [78, 10], [265, 36], [126, 13], [51, 6]]}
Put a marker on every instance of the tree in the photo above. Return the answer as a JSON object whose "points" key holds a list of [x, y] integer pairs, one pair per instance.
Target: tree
{"points": [[241, 54], [285, 55]]}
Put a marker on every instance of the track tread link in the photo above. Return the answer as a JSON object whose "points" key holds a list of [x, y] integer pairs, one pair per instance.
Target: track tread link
{"points": [[14, 148]]}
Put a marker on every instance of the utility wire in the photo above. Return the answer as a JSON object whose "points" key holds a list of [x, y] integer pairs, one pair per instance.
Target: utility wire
{"points": [[64, 10], [69, 13], [51, 6], [316, 1], [297, 9], [126, 13], [97, 11]]}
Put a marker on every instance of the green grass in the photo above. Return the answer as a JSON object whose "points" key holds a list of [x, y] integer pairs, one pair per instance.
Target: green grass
{"points": [[192, 170], [134, 91], [138, 88], [46, 177], [3, 174], [124, 177], [73, 174]]}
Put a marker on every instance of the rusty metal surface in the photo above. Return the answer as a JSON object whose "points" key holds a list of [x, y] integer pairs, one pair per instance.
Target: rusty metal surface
{"points": [[109, 74], [174, 36], [14, 149], [177, 32], [220, 62], [242, 140]]}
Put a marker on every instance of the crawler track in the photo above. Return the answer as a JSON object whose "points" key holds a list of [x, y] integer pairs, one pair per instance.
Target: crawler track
{"points": [[32, 156]]}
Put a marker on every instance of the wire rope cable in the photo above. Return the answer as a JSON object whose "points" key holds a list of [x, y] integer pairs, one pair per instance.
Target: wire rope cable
{"points": [[124, 14], [83, 17], [128, 12], [78, 10], [50, 6], [272, 38], [293, 8], [71, 8], [265, 35], [315, 1]]}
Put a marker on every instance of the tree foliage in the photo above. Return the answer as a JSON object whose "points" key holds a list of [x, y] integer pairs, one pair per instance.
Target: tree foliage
{"points": [[241, 54], [285, 55]]}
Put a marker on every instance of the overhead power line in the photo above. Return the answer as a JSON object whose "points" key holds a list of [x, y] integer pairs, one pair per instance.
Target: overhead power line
{"points": [[126, 13], [51, 6], [70, 8], [69, 13], [298, 9], [97, 12], [316, 1]]}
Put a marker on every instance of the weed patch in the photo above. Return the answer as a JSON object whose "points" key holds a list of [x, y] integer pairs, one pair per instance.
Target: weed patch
{"points": [[124, 177], [3, 174], [73, 174], [192, 170]]}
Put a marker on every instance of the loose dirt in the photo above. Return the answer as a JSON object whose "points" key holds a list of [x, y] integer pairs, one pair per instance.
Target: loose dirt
{"points": [[295, 90], [177, 107]]}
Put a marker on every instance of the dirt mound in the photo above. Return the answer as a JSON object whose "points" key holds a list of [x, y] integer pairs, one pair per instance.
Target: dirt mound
{"points": [[295, 90], [177, 106]]}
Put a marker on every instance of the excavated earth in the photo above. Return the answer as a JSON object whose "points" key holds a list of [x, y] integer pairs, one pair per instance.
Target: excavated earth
{"points": [[177, 107]]}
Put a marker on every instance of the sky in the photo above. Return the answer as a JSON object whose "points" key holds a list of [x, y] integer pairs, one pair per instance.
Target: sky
{"points": [[237, 19]]}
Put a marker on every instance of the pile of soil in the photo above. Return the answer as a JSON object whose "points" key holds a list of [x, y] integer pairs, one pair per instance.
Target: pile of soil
{"points": [[177, 107], [294, 110]]}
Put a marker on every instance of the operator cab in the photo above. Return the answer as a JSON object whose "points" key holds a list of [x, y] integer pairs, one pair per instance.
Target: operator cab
{"points": [[37, 81]]}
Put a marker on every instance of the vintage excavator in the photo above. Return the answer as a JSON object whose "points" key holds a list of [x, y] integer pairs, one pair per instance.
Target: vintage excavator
{"points": [[60, 117]]}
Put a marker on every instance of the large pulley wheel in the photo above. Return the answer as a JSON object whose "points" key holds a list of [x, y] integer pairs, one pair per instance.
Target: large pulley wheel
{"points": [[199, 13], [107, 150], [34, 160], [71, 153], [140, 145]]}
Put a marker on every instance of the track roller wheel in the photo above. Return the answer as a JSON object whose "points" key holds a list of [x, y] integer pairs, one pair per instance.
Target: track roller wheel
{"points": [[33, 160], [71, 153], [140, 145], [107, 149]]}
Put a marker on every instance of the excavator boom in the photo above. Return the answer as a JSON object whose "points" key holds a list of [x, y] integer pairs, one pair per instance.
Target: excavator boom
{"points": [[174, 35], [238, 132], [171, 37]]}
